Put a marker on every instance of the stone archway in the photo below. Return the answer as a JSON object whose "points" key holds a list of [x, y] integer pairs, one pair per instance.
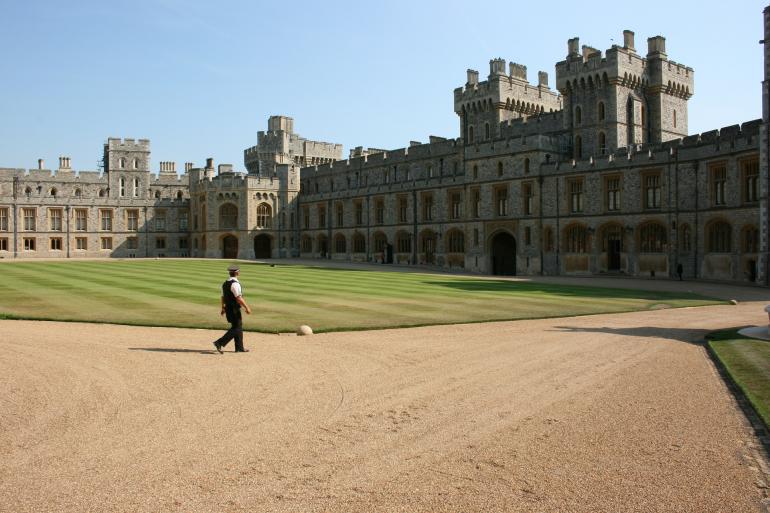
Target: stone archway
{"points": [[503, 254], [229, 246], [263, 246]]}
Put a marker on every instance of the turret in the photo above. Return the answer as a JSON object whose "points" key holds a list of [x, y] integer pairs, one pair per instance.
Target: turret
{"points": [[621, 99]]}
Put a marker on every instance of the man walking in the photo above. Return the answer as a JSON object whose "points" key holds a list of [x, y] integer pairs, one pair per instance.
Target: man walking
{"points": [[232, 301]]}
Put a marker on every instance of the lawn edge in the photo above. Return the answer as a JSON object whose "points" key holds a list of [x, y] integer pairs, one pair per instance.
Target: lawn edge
{"points": [[742, 397], [343, 329]]}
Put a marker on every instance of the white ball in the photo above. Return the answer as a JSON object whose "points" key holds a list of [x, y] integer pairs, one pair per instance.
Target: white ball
{"points": [[304, 330]]}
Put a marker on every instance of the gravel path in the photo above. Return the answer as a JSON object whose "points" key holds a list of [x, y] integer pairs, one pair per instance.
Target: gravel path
{"points": [[605, 413]]}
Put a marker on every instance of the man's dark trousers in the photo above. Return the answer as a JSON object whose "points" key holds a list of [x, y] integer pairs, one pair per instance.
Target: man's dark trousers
{"points": [[236, 329]]}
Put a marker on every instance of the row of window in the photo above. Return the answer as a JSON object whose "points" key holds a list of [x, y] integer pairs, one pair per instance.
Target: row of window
{"points": [[78, 192], [403, 243], [80, 218], [81, 243], [653, 238]]}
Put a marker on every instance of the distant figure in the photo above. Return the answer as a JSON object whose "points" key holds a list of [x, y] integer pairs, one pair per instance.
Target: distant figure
{"points": [[232, 301], [679, 271]]}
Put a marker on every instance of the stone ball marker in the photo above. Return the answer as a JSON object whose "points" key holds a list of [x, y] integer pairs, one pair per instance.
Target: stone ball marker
{"points": [[304, 330]]}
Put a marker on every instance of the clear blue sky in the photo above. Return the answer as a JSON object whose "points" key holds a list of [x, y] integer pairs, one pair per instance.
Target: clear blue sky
{"points": [[201, 78]]}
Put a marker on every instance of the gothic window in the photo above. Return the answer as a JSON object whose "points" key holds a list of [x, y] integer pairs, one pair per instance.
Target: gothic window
{"points": [[719, 237], [228, 216], [121, 163], [105, 217], [53, 191], [359, 243], [456, 241], [575, 188], [78, 193], [122, 187], [750, 187], [404, 242], [307, 244], [602, 143], [456, 205], [427, 207], [718, 185], [652, 238], [264, 215], [486, 131], [136, 163], [576, 239], [29, 219], [578, 116], [339, 243], [600, 110], [380, 242], [652, 190], [612, 193], [499, 169], [527, 198], [501, 201], [54, 219], [470, 134], [578, 147], [526, 166]]}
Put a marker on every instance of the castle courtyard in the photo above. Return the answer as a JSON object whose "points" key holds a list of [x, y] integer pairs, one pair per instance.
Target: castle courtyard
{"points": [[600, 413]]}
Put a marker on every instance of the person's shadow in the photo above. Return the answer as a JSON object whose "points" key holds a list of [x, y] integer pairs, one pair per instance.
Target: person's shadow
{"points": [[173, 350]]}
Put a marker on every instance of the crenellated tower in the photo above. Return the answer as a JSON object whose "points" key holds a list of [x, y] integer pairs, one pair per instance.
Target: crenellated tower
{"points": [[483, 106], [621, 98], [127, 166]]}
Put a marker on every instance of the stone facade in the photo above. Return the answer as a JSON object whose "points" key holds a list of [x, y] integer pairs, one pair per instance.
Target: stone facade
{"points": [[597, 178]]}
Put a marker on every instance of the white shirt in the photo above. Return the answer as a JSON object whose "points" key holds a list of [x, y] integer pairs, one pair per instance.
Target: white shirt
{"points": [[235, 287]]}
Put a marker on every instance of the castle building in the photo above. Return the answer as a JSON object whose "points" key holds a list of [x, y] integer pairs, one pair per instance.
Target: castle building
{"points": [[596, 177]]}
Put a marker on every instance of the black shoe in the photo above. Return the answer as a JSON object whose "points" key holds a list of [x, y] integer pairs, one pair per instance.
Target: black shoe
{"points": [[241, 350], [218, 347]]}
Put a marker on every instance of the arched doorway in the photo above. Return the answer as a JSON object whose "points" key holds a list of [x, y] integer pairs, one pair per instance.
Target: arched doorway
{"points": [[262, 246], [503, 254], [229, 247]]}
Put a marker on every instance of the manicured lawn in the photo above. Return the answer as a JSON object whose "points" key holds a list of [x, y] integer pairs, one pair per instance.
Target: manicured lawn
{"points": [[186, 293], [748, 362]]}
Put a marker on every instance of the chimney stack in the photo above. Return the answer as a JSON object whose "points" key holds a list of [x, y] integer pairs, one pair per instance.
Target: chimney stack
{"points": [[40, 164], [188, 166], [628, 40], [209, 163]]}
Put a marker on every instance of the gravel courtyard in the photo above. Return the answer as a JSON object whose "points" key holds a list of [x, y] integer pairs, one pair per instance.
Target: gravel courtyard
{"points": [[604, 413]]}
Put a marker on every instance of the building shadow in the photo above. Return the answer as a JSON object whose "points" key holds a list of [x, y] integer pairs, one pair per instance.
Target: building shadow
{"points": [[570, 290], [689, 336]]}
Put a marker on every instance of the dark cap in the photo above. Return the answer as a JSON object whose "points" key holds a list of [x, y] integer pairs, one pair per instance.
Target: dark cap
{"points": [[234, 268]]}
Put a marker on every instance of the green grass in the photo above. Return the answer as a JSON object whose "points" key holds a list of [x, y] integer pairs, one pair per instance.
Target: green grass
{"points": [[748, 362], [186, 293]]}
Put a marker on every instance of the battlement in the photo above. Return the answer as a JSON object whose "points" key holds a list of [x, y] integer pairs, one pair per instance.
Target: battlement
{"points": [[545, 123], [623, 66], [116, 143], [505, 95], [439, 149]]}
